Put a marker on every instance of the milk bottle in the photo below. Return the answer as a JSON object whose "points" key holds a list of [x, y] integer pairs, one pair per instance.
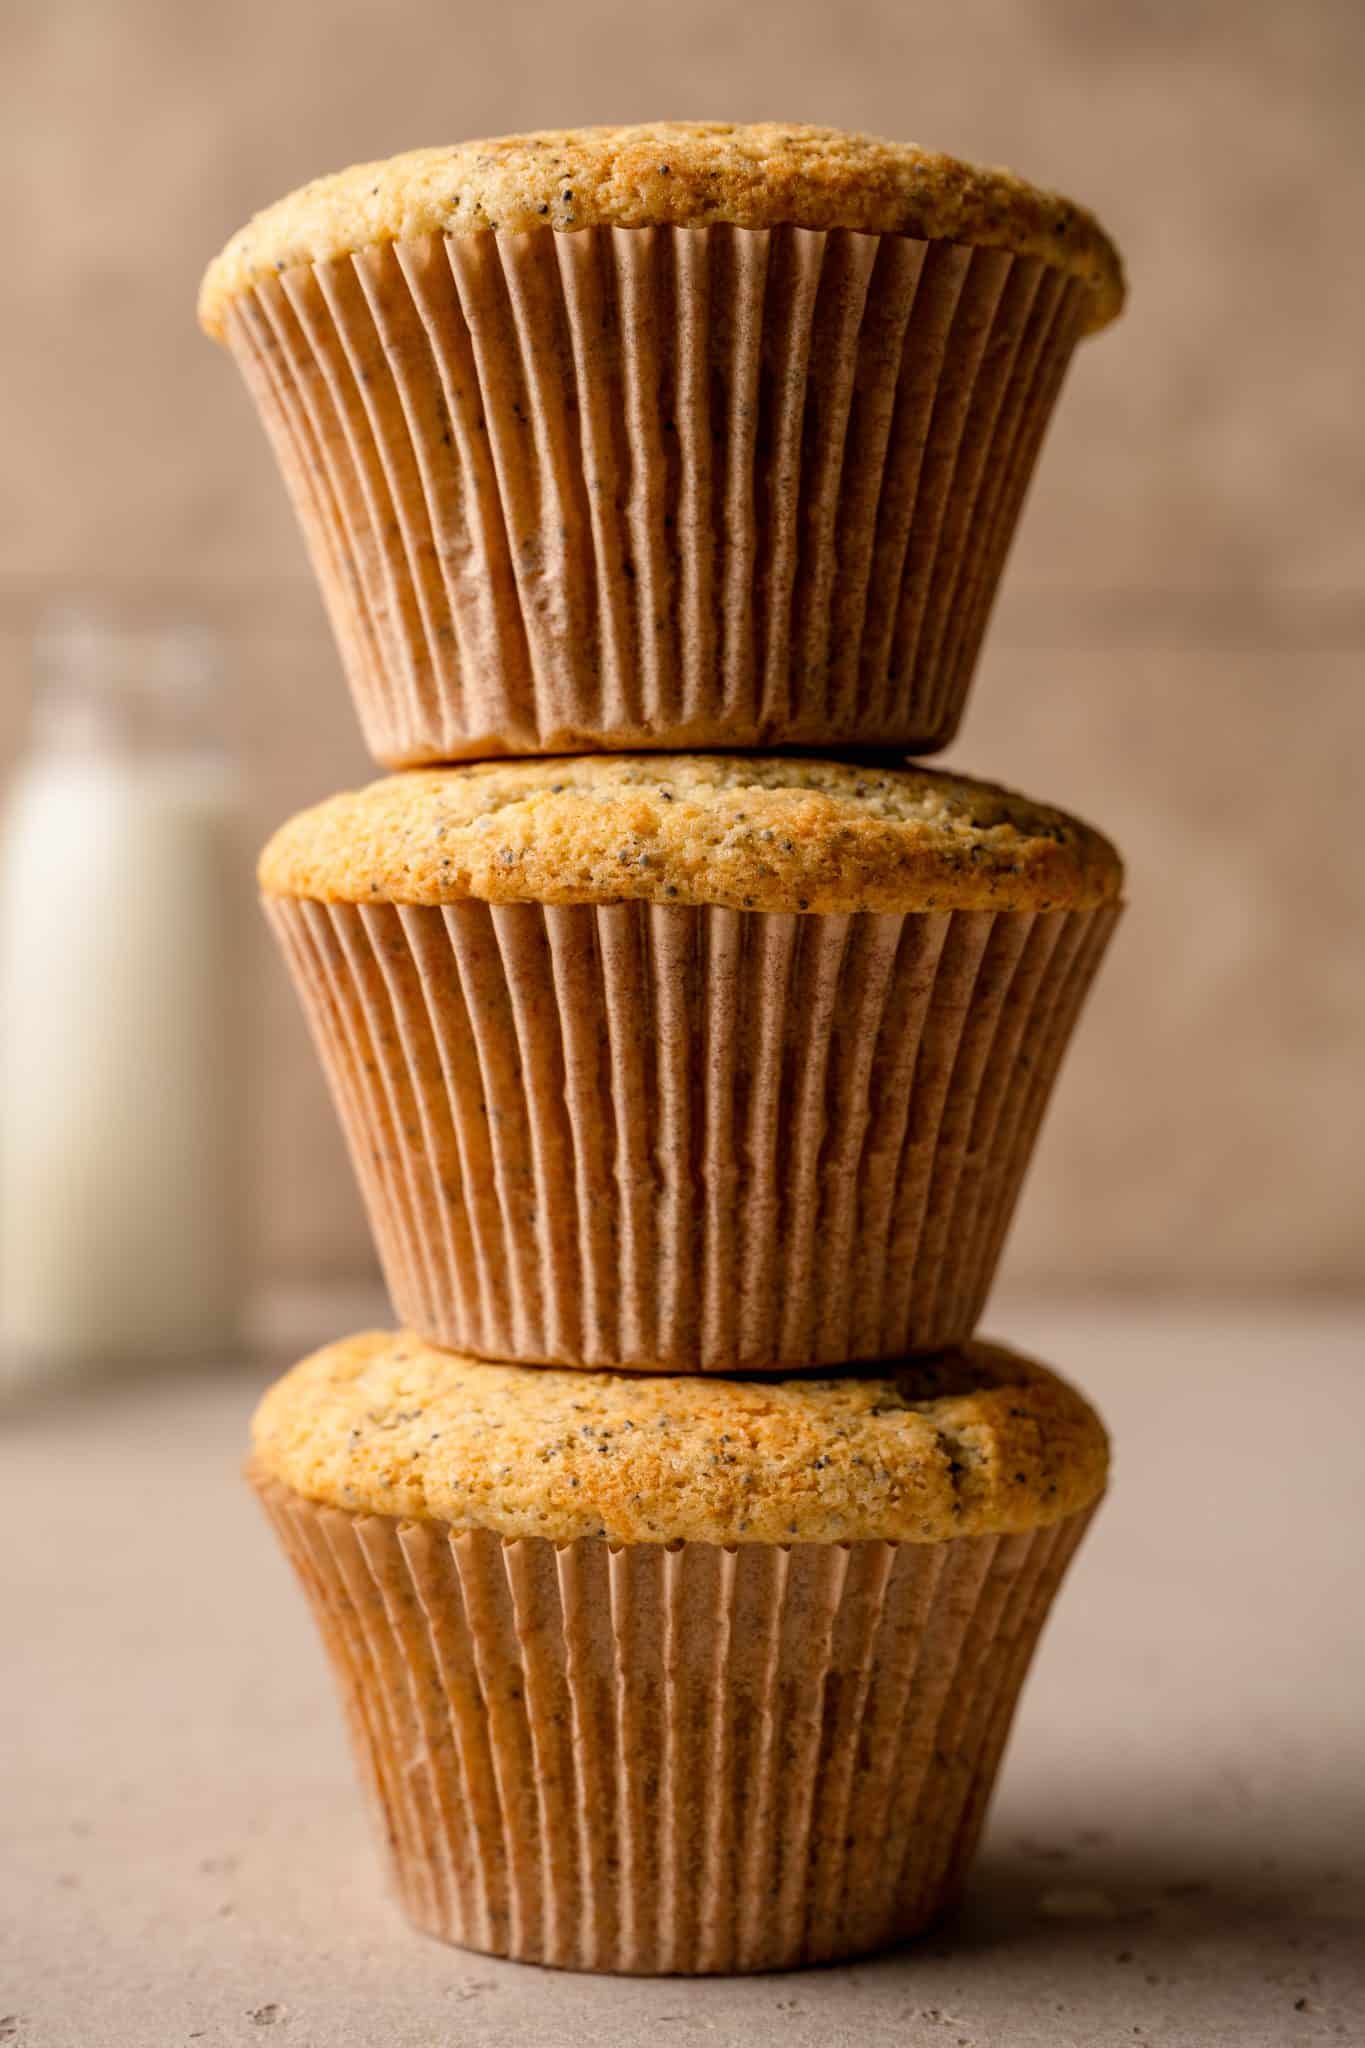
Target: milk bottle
{"points": [[118, 1074]]}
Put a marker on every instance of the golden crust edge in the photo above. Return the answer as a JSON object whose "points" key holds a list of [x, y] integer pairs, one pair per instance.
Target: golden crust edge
{"points": [[1040, 1397], [888, 866], [883, 188]]}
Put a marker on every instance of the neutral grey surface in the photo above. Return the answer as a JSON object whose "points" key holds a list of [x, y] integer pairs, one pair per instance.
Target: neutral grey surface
{"points": [[1175, 1854]]}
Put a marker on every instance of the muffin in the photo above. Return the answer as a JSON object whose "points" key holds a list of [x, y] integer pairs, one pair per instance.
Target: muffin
{"points": [[674, 1674], [690, 1064], [679, 436]]}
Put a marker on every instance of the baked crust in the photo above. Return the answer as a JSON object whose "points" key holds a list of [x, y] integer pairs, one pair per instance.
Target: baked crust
{"points": [[974, 1442], [668, 173], [771, 833]]}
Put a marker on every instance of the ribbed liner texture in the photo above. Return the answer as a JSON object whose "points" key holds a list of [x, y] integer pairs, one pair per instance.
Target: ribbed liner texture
{"points": [[658, 487], [673, 1760], [689, 1139]]}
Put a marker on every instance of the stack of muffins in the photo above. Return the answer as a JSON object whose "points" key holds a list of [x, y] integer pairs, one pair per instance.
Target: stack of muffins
{"points": [[682, 1559]]}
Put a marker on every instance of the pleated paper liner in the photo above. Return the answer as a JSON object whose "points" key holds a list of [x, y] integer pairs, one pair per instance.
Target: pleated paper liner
{"points": [[658, 487], [688, 1759], [689, 1139]]}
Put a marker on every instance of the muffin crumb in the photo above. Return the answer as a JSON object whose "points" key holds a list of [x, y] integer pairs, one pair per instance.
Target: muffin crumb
{"points": [[675, 174], [743, 833], [973, 1441]]}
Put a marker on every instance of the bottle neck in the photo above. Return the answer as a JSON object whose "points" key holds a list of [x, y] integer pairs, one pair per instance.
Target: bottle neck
{"points": [[108, 686]]}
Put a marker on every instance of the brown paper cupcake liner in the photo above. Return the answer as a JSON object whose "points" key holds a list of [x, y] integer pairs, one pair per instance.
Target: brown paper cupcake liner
{"points": [[685, 1759], [689, 1139], [658, 487]]}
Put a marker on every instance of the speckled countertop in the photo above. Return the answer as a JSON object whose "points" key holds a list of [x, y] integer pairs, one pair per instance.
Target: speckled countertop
{"points": [[1174, 1856]]}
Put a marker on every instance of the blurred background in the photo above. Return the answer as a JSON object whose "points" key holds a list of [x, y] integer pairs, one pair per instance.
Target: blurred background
{"points": [[1179, 651]]}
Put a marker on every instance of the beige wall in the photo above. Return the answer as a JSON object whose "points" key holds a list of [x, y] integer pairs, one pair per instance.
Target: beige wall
{"points": [[1181, 645]]}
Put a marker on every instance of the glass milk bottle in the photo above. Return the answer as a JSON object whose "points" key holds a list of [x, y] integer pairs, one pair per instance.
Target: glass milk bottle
{"points": [[118, 1049]]}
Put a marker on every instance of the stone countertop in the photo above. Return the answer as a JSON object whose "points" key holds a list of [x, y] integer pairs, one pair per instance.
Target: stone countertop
{"points": [[1173, 1858]]}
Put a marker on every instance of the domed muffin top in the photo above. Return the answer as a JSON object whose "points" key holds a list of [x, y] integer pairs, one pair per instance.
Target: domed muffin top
{"points": [[668, 173], [769, 833], [972, 1442]]}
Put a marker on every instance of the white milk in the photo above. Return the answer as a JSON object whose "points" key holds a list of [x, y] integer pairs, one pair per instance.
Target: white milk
{"points": [[118, 1104]]}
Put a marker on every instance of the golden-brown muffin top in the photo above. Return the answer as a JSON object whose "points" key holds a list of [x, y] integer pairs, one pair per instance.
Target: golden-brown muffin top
{"points": [[744, 832], [973, 1442], [673, 173]]}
